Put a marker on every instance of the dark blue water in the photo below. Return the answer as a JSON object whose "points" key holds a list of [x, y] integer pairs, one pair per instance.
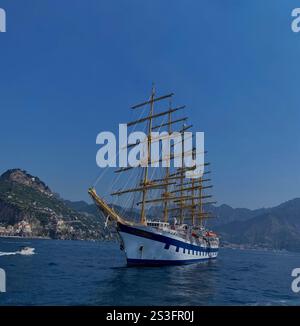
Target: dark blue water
{"points": [[94, 273]]}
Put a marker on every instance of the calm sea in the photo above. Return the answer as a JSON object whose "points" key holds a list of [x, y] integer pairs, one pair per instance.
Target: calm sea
{"points": [[95, 273]]}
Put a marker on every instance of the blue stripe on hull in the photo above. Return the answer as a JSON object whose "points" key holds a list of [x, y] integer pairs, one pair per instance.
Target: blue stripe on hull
{"points": [[164, 239], [150, 262]]}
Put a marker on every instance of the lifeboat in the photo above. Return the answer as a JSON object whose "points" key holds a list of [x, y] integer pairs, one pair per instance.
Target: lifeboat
{"points": [[210, 234]]}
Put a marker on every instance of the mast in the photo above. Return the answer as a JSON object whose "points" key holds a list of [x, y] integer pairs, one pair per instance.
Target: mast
{"points": [[200, 203], [182, 176], [145, 181], [166, 193], [193, 202]]}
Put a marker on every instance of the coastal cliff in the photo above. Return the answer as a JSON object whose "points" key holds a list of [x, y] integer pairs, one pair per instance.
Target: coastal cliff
{"points": [[29, 208]]}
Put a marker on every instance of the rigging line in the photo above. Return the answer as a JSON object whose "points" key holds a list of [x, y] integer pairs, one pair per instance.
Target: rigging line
{"points": [[117, 156], [130, 179], [123, 201], [135, 194], [117, 179], [134, 199]]}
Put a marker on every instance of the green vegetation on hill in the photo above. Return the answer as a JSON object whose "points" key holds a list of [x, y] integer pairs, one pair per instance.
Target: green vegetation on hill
{"points": [[29, 208]]}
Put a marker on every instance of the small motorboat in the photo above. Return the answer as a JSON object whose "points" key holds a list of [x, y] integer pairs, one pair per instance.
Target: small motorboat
{"points": [[27, 251]]}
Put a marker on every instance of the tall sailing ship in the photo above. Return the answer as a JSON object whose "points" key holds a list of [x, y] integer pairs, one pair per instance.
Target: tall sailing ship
{"points": [[173, 208]]}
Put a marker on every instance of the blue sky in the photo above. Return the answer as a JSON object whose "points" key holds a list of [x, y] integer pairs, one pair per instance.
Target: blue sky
{"points": [[70, 69]]}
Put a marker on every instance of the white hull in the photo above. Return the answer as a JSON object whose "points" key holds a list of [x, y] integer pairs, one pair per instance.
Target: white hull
{"points": [[148, 246]]}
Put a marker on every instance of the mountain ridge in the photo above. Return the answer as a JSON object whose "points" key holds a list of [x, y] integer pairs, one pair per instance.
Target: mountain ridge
{"points": [[275, 228]]}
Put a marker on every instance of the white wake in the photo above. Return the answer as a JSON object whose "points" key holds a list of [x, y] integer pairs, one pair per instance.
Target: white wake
{"points": [[27, 251]]}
